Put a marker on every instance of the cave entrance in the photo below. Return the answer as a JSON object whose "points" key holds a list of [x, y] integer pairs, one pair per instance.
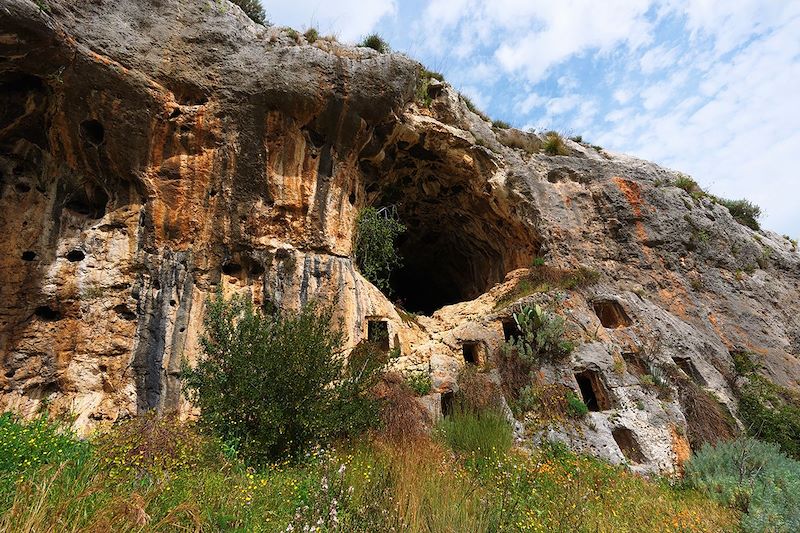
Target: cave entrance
{"points": [[378, 333], [686, 364], [510, 328], [611, 314], [460, 239], [593, 391], [470, 352], [448, 402], [628, 445]]}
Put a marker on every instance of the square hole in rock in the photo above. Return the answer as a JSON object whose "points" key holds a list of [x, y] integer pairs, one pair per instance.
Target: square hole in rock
{"points": [[686, 364], [628, 445], [510, 328], [593, 390], [378, 333], [470, 352], [448, 402], [611, 314]]}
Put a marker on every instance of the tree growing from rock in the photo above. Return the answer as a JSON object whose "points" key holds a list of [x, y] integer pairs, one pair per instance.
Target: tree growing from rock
{"points": [[375, 250]]}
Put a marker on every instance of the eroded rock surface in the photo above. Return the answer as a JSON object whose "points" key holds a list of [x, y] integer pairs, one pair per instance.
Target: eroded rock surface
{"points": [[153, 151]]}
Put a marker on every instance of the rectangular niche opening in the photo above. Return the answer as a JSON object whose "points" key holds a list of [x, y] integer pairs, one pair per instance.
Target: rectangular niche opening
{"points": [[448, 401], [611, 314], [686, 364], [628, 445], [510, 328], [594, 392], [378, 333], [634, 363], [470, 352]]}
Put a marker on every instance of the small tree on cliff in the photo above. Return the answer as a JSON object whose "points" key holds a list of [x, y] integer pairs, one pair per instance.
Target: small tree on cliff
{"points": [[253, 9], [375, 251], [273, 385]]}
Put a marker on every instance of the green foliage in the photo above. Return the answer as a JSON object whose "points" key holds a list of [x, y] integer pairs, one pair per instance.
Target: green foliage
{"points": [[538, 262], [376, 42], [575, 406], [554, 144], [43, 6], [253, 9], [576, 138], [152, 445], [273, 385], [744, 212], [542, 336], [687, 184], [771, 413], [423, 83], [743, 363], [419, 383], [375, 251], [753, 477], [478, 433], [311, 35], [26, 446], [500, 124]]}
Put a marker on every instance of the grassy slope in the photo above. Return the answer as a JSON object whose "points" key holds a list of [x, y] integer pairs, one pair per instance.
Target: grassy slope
{"points": [[420, 485]]}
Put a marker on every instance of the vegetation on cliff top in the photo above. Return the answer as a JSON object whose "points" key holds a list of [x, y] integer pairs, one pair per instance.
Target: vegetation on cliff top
{"points": [[253, 9]]}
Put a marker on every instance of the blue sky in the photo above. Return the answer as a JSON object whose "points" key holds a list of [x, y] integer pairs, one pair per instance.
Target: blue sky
{"points": [[707, 87]]}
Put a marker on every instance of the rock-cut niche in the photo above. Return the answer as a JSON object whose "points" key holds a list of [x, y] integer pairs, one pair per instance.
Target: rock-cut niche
{"points": [[458, 242]]}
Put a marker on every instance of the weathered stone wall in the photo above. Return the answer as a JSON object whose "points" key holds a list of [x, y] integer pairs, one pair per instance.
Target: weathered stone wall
{"points": [[155, 151]]}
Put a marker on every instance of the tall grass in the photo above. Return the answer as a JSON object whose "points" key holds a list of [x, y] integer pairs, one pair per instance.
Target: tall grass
{"points": [[484, 433]]}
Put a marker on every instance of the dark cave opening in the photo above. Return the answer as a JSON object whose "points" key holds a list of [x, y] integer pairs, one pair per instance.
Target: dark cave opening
{"points": [[593, 391], [93, 131], [460, 238]]}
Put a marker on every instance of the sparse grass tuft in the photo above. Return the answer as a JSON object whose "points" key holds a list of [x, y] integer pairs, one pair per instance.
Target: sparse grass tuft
{"points": [[376, 42], [544, 278], [311, 35], [554, 144], [472, 107], [501, 124]]}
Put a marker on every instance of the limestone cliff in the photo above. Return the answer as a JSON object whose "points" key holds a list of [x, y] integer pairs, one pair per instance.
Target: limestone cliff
{"points": [[153, 151]]}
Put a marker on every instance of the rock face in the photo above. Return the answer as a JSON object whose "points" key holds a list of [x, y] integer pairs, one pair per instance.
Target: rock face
{"points": [[155, 151]]}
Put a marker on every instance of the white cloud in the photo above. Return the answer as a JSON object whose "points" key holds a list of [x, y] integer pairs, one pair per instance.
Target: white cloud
{"points": [[349, 19], [658, 58]]}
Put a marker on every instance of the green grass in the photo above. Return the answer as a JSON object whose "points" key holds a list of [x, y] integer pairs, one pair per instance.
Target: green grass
{"points": [[471, 480], [554, 144], [544, 278], [376, 42]]}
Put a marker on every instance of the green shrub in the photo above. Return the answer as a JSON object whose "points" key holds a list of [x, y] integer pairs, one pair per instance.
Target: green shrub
{"points": [[772, 414], [376, 42], [253, 9], [478, 433], [311, 35], [554, 144], [575, 406], [753, 477], [687, 184], [273, 385], [542, 336], [419, 383], [26, 446], [744, 212], [375, 251], [423, 83], [576, 138], [501, 124]]}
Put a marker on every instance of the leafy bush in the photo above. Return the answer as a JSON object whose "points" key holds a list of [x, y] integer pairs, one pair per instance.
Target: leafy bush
{"points": [[311, 35], [253, 9], [376, 42], [542, 336], [754, 477], [576, 138], [554, 144], [501, 124], [273, 385], [575, 406], [423, 83], [419, 383], [744, 212], [375, 251], [479, 433], [772, 414]]}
